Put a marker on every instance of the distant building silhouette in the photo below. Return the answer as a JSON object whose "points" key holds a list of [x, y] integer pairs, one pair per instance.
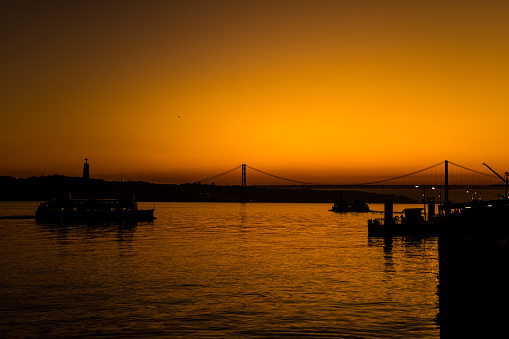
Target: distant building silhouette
{"points": [[86, 170]]}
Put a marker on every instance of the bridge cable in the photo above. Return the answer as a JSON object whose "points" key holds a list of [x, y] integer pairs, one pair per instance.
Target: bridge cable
{"points": [[281, 178], [471, 170], [403, 176], [218, 175]]}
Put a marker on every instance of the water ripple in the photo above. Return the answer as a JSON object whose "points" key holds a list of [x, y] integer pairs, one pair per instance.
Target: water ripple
{"points": [[216, 270]]}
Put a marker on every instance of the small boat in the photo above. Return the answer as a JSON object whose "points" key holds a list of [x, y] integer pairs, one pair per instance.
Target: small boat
{"points": [[344, 206], [100, 210]]}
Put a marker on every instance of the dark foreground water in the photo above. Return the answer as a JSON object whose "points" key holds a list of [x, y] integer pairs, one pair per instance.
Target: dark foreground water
{"points": [[216, 270]]}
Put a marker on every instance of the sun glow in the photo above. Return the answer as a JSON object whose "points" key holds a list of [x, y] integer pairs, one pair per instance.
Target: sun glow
{"points": [[300, 89]]}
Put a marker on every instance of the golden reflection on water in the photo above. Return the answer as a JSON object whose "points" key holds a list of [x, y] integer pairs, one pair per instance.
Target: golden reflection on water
{"points": [[214, 269]]}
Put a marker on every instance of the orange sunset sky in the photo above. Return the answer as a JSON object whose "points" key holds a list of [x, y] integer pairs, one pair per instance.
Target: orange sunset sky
{"points": [[175, 91]]}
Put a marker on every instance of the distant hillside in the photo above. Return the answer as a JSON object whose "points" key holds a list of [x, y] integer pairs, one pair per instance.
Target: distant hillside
{"points": [[58, 186]]}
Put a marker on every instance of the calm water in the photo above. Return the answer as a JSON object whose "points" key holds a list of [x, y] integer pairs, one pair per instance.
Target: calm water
{"points": [[216, 270]]}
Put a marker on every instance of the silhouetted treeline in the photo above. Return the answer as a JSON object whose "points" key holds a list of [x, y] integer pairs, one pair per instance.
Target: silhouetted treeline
{"points": [[58, 186]]}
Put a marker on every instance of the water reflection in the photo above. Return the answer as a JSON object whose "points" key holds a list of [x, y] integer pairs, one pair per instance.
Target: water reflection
{"points": [[472, 282], [256, 270], [386, 243], [66, 233], [411, 259]]}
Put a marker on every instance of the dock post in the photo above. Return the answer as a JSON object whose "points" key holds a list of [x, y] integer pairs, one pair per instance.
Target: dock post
{"points": [[388, 211], [431, 208]]}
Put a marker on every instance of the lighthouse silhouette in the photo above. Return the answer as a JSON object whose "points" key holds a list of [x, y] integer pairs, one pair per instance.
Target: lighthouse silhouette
{"points": [[86, 170]]}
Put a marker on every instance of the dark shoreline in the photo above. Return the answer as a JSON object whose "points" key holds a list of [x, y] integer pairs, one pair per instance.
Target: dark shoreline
{"points": [[58, 186]]}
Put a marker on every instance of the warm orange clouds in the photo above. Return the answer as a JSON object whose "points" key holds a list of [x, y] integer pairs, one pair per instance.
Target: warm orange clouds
{"points": [[305, 88]]}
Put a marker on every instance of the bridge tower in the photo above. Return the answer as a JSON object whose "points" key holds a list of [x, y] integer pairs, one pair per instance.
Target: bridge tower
{"points": [[243, 175], [243, 188], [446, 202]]}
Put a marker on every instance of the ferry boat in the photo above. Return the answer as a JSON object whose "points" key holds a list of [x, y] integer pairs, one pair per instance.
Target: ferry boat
{"points": [[344, 206], [102, 210]]}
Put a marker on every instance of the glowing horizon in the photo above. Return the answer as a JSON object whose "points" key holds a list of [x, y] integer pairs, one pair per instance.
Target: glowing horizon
{"points": [[176, 91]]}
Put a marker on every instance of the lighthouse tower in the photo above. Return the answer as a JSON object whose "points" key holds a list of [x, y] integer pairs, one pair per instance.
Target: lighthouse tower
{"points": [[86, 170]]}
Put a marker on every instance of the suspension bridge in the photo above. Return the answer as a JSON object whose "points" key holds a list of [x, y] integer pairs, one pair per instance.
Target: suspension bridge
{"points": [[444, 175]]}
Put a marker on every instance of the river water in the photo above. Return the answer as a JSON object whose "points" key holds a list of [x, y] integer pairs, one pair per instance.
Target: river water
{"points": [[205, 270]]}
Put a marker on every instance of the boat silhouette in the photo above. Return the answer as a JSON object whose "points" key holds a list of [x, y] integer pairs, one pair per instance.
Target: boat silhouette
{"points": [[125, 208]]}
